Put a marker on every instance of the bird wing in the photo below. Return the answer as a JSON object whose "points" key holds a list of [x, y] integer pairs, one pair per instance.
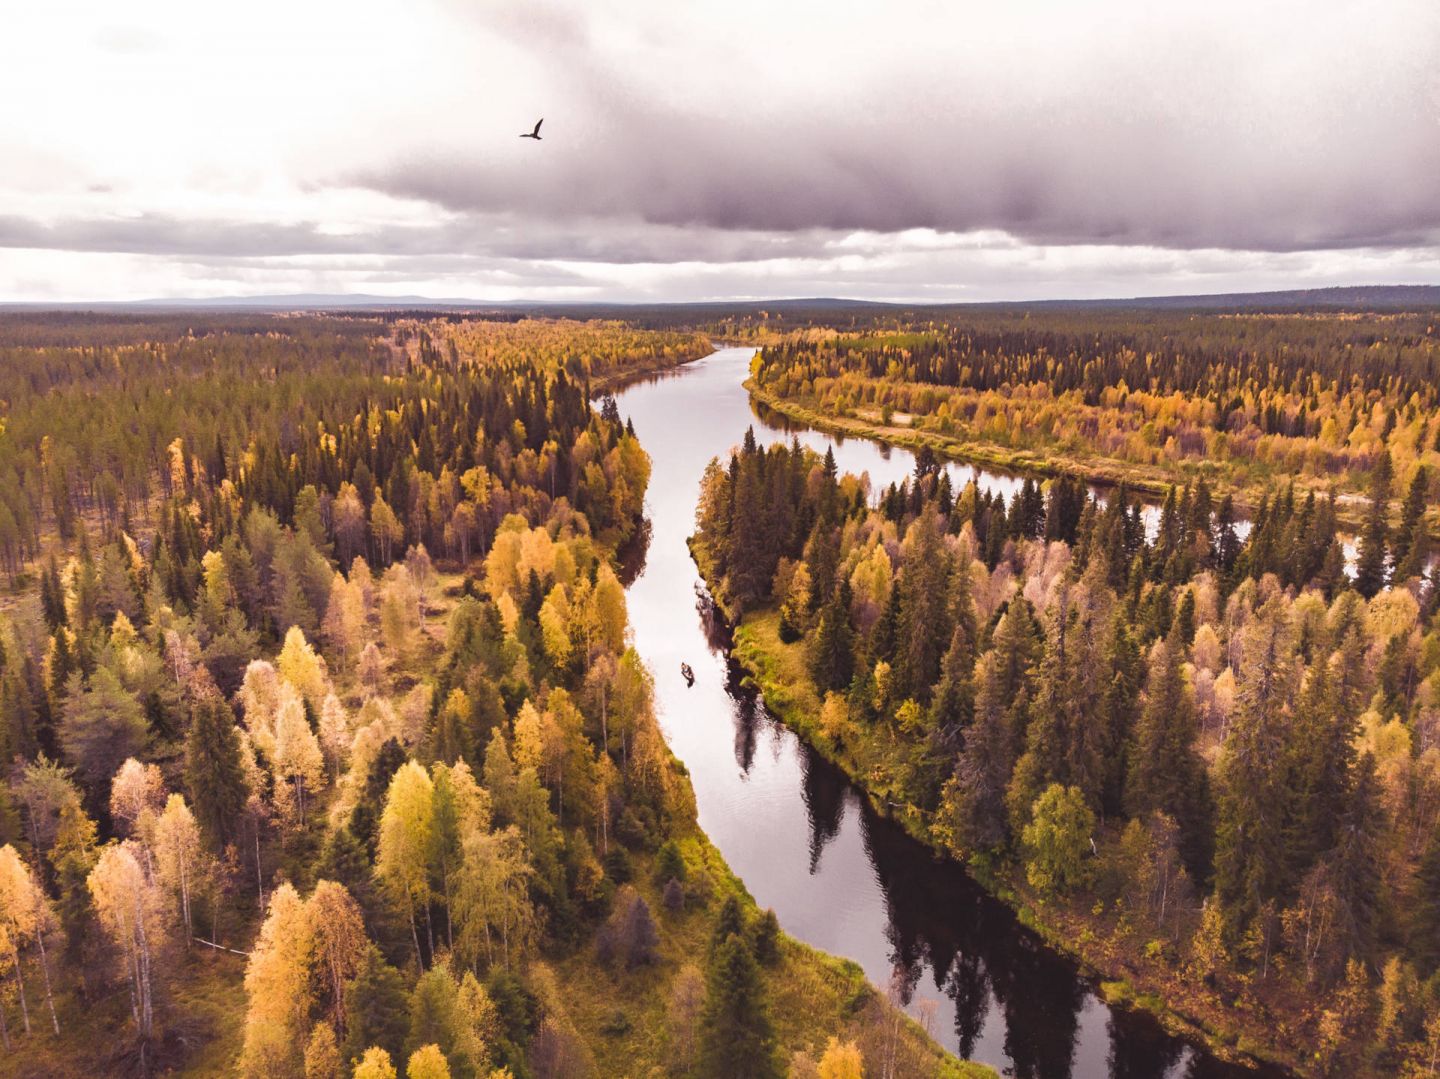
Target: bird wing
{"points": [[537, 126]]}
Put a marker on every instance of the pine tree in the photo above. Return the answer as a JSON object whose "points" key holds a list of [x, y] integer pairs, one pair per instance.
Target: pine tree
{"points": [[1424, 909], [736, 1039], [1356, 865], [832, 661], [924, 629], [1166, 774], [954, 698], [213, 771], [376, 1008], [1370, 561], [1250, 866], [1412, 516]]}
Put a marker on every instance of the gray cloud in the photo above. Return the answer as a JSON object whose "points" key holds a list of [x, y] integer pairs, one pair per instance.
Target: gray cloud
{"points": [[941, 149], [1175, 143], [508, 236]]}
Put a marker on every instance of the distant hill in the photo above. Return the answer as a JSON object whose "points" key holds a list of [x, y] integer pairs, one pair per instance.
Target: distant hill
{"points": [[1345, 297], [1342, 298]]}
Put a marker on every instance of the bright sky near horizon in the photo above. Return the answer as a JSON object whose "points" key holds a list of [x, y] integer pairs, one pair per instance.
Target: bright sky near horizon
{"points": [[915, 149]]}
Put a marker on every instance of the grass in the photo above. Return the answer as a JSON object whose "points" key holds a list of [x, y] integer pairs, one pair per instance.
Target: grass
{"points": [[625, 1016], [199, 1016]]}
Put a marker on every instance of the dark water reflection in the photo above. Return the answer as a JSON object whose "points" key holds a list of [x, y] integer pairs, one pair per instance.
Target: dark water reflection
{"points": [[805, 842]]}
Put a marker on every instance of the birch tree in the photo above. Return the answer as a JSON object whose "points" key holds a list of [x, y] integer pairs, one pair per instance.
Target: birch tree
{"points": [[179, 855], [405, 840], [277, 981], [127, 905], [24, 917]]}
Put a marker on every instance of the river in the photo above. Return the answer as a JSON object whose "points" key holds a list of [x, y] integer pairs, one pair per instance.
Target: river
{"points": [[803, 839]]}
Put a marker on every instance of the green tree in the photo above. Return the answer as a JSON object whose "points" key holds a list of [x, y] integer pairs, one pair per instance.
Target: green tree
{"points": [[1167, 774], [377, 1007], [1356, 866], [214, 775], [1057, 839], [1370, 559], [439, 1018], [1424, 909], [832, 657], [1411, 529], [100, 727], [736, 1039], [1250, 864]]}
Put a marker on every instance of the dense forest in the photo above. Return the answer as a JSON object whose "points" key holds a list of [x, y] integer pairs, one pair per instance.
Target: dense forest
{"points": [[1242, 400], [1210, 763], [325, 751]]}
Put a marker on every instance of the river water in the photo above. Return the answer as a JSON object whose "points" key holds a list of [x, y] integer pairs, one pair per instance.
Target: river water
{"points": [[802, 838]]}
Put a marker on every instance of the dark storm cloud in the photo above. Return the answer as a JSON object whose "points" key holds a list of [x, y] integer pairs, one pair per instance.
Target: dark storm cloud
{"points": [[1163, 187], [1241, 150]]}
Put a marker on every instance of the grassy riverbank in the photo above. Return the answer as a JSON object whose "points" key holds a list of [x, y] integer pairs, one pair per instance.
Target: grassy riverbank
{"points": [[628, 1020], [1235, 1023]]}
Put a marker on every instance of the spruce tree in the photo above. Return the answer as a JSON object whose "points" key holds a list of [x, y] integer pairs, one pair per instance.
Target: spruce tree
{"points": [[1424, 909], [52, 596], [747, 581], [1250, 866], [1370, 560], [832, 662], [954, 696], [1120, 712], [377, 1008], [1227, 540], [736, 1039], [730, 921], [1356, 865], [1323, 754], [1412, 515], [1166, 774], [213, 772], [924, 619]]}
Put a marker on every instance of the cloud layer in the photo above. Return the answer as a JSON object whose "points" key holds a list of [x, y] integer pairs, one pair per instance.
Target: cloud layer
{"points": [[928, 150]]}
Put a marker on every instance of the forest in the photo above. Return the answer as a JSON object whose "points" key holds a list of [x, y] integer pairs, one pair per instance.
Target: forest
{"points": [[1149, 398], [325, 749], [1205, 758]]}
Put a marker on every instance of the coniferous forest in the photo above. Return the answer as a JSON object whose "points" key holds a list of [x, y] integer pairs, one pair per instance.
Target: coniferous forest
{"points": [[1143, 397], [1198, 739], [325, 749]]}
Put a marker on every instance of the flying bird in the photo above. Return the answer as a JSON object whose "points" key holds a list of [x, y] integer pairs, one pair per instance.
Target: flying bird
{"points": [[536, 133]]}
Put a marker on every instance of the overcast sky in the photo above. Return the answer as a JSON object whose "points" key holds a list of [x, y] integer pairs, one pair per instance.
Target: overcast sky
{"points": [[711, 149]]}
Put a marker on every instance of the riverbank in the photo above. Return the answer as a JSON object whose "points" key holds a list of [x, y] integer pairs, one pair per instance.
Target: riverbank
{"points": [[1150, 483], [628, 1021], [1233, 1023], [616, 381]]}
